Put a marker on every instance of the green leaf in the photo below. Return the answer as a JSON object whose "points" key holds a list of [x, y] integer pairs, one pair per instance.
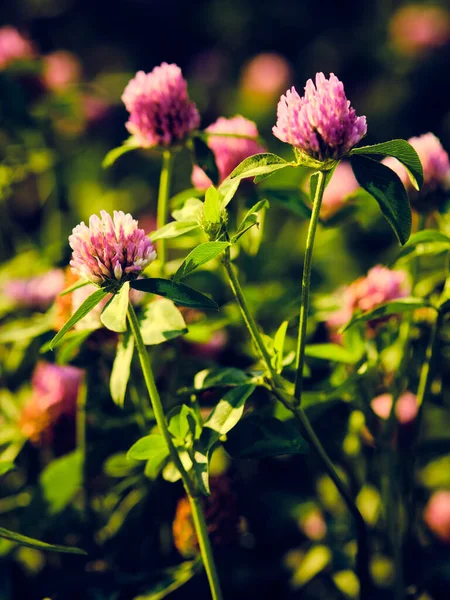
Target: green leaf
{"points": [[403, 152], [259, 164], [211, 206], [262, 437], [161, 321], [394, 307], [191, 210], [427, 241], [90, 303], [205, 159], [174, 578], [114, 315], [24, 540], [75, 286], [61, 480], [225, 415], [115, 153], [179, 293], [293, 199], [250, 219], [331, 352], [227, 189], [387, 189], [6, 466], [278, 345], [120, 372], [427, 235], [71, 344], [200, 256], [222, 377], [173, 230], [183, 421], [151, 447]]}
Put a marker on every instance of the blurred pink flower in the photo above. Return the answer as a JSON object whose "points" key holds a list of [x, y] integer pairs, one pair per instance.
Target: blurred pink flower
{"points": [[437, 515], [266, 74], [322, 123], [406, 407], [161, 113], [54, 394], [342, 185], [366, 293], [228, 151], [36, 292], [14, 46], [110, 249], [61, 68], [436, 172], [212, 348], [313, 525], [416, 28]]}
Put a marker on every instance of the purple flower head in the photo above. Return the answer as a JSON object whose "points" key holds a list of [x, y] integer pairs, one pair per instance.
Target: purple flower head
{"points": [[36, 292], [110, 249], [14, 46], [161, 113], [228, 151], [321, 124], [436, 172]]}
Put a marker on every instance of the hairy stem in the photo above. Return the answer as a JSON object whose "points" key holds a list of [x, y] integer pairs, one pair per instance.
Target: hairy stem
{"points": [[193, 495], [163, 205], [306, 284]]}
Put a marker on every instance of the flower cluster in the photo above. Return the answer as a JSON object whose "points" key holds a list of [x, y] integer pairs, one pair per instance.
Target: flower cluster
{"points": [[366, 293], [436, 172], [321, 124], [110, 250], [13, 46], [228, 151], [36, 292], [54, 394], [161, 113]]}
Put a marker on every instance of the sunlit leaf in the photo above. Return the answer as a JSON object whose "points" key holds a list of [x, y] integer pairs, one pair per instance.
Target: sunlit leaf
{"points": [[111, 157], [179, 293], [151, 447], [199, 256], [394, 307], [24, 540], [259, 164], [173, 229], [114, 315], [120, 372], [161, 321], [61, 480]]}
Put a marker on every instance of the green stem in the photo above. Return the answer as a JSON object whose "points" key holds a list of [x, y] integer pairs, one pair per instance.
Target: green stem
{"points": [[80, 433], [205, 547], [276, 385], [197, 511], [163, 205], [306, 284]]}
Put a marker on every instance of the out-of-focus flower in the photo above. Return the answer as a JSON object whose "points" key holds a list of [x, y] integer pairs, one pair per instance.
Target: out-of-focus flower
{"points": [[366, 293], [228, 151], [437, 515], [416, 28], [110, 249], [405, 408], [266, 74], [61, 68], [36, 292], [313, 525], [321, 124], [341, 186], [222, 518], [14, 46], [161, 113], [436, 172], [211, 348], [54, 394]]}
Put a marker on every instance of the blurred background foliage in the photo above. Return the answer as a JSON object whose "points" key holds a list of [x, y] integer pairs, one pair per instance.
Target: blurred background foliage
{"points": [[293, 538]]}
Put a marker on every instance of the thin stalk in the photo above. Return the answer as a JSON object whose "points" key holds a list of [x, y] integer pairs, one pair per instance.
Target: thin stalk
{"points": [[306, 284], [80, 434], [163, 205], [276, 385], [193, 495]]}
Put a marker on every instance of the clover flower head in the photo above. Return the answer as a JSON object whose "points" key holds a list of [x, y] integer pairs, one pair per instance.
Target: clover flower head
{"points": [[37, 292], [54, 394], [415, 29], [14, 46], [161, 113], [110, 249], [320, 124], [265, 74], [437, 515], [228, 151]]}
